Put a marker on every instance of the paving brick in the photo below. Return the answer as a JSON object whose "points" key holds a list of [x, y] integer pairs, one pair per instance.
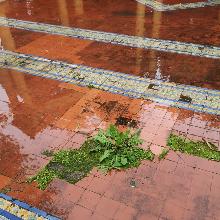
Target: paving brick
{"points": [[89, 200], [196, 131], [4, 181], [79, 212], [125, 213], [213, 135], [172, 211], [107, 207], [98, 185]]}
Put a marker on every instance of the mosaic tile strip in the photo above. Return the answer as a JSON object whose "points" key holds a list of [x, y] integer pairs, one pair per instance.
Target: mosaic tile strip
{"points": [[16, 210], [181, 96], [158, 6], [113, 38]]}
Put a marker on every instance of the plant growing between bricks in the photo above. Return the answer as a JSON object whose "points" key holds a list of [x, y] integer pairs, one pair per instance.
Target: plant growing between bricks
{"points": [[110, 149]]}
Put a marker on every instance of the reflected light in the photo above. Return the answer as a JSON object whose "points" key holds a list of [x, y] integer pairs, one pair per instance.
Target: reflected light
{"points": [[78, 7]]}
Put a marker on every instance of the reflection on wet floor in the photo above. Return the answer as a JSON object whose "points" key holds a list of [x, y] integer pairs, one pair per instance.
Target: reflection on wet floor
{"points": [[38, 114], [115, 16], [34, 111], [178, 68]]}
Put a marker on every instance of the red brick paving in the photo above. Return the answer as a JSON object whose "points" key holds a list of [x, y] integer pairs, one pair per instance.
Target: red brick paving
{"points": [[179, 187], [4, 181]]}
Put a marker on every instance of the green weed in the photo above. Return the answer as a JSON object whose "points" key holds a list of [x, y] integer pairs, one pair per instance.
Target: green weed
{"points": [[163, 154], [108, 150], [197, 148]]}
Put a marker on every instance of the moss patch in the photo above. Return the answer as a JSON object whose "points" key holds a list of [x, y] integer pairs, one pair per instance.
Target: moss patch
{"points": [[197, 148], [108, 150]]}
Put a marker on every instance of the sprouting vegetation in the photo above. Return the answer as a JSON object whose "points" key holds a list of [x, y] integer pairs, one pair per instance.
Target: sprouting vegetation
{"points": [[203, 148], [163, 154], [110, 149], [48, 153]]}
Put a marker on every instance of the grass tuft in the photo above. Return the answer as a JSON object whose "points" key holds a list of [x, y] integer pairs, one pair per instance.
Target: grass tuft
{"points": [[47, 153], [163, 154], [202, 149]]}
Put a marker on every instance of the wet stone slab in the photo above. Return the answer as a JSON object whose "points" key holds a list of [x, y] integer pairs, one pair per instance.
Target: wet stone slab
{"points": [[181, 96]]}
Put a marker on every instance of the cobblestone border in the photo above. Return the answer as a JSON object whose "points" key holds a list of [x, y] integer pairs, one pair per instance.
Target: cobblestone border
{"points": [[16, 210], [180, 96], [113, 38], [158, 6]]}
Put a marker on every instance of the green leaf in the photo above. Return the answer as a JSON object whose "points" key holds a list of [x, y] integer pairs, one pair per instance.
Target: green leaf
{"points": [[117, 162], [105, 155], [124, 161]]}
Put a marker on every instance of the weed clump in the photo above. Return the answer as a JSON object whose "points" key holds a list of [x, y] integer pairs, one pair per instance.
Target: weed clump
{"points": [[110, 149], [197, 148]]}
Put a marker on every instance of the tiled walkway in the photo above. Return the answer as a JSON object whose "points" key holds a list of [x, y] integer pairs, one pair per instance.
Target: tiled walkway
{"points": [[125, 40], [181, 96], [41, 110]]}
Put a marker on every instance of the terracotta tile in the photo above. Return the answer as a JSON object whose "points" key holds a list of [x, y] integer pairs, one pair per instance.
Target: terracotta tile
{"points": [[79, 212], [149, 128], [161, 138], [146, 215], [155, 189], [62, 123], [194, 215], [79, 138], [205, 164], [89, 200], [167, 166], [159, 112], [98, 185], [97, 216], [4, 181], [199, 202], [213, 135], [168, 122], [181, 127], [179, 193], [135, 106], [25, 192], [194, 137], [145, 171], [172, 211], [65, 191], [185, 116], [198, 121], [84, 183], [148, 204], [125, 213], [108, 177], [173, 156], [196, 131], [156, 149], [184, 171], [107, 207], [189, 160], [202, 180], [147, 136]]}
